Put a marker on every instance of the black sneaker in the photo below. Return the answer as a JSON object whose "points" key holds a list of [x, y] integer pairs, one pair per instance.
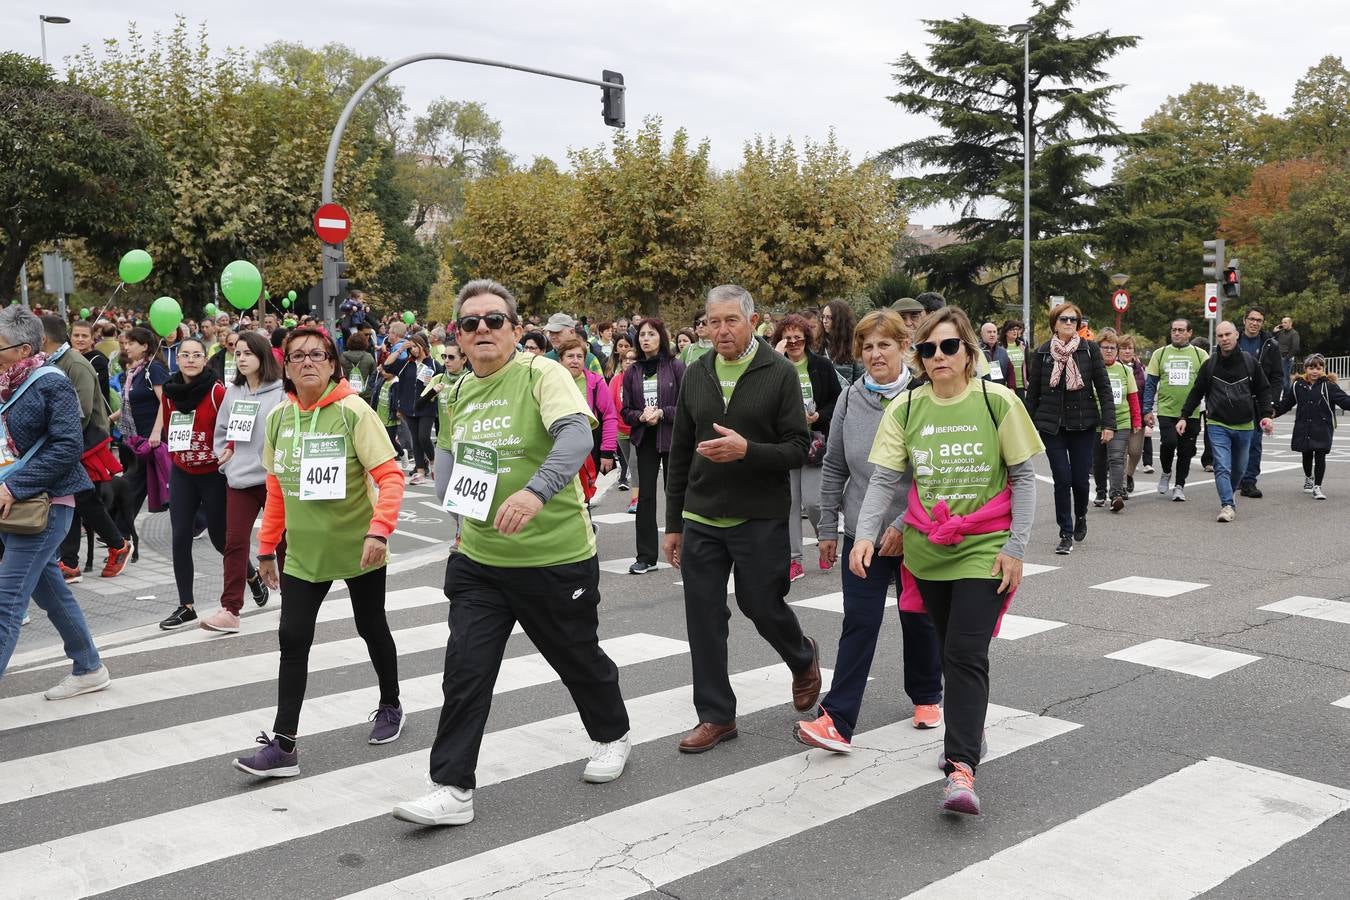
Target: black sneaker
{"points": [[1129, 484], [622, 485], [1080, 528], [1100, 499], [1250, 490], [259, 590], [1065, 545], [641, 568], [178, 618]]}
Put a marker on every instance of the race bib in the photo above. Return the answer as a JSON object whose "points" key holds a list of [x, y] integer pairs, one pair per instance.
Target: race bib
{"points": [[1117, 391], [180, 432], [231, 367], [356, 382], [424, 373], [243, 416], [6, 458], [1178, 372], [473, 481], [323, 467], [995, 371], [649, 391]]}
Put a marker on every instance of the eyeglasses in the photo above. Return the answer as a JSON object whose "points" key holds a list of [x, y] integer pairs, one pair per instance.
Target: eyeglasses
{"points": [[701, 322], [929, 349], [11, 347], [794, 340], [1257, 319], [494, 321], [1069, 320], [299, 356], [1180, 329], [192, 354]]}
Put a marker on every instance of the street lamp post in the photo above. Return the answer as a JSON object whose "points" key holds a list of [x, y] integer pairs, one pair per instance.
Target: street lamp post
{"points": [[43, 22], [1024, 29]]}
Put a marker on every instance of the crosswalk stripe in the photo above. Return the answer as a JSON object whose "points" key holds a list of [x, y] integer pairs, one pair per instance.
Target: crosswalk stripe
{"points": [[1188, 659], [130, 852], [1312, 608], [633, 850], [60, 770], [1150, 587], [1174, 838], [333, 609], [1013, 627]]}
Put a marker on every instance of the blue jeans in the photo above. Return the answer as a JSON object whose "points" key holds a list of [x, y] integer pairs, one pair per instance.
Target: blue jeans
{"points": [[1230, 448], [864, 610], [29, 569], [1252, 470], [1070, 456]]}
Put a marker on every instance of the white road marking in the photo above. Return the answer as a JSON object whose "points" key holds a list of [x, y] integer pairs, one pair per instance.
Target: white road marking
{"points": [[1312, 608], [1188, 659], [1149, 587]]}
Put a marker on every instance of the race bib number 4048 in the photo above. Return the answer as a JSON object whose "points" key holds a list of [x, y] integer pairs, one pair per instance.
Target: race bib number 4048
{"points": [[473, 481]]}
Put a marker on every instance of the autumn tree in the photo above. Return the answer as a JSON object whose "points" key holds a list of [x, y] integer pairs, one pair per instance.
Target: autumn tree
{"points": [[1317, 122], [797, 229]]}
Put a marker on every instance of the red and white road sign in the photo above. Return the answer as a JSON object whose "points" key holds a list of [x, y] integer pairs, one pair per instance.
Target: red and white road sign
{"points": [[332, 224], [1211, 301], [1120, 300]]}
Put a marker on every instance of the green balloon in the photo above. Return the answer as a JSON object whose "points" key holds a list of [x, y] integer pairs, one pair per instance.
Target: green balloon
{"points": [[267, 295], [290, 295], [165, 316], [211, 310], [241, 282], [409, 318], [135, 266], [286, 302], [84, 313]]}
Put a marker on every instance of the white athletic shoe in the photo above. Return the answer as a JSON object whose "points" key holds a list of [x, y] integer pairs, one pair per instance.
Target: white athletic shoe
{"points": [[1178, 494], [74, 685], [444, 806], [1318, 493], [1227, 514], [1164, 482], [607, 761]]}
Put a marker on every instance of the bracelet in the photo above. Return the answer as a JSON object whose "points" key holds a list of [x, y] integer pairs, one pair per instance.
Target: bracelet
{"points": [[267, 557], [382, 540]]}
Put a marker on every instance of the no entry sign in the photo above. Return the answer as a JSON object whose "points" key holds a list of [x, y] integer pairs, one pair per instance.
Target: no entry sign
{"points": [[1211, 301], [1120, 300], [332, 224]]}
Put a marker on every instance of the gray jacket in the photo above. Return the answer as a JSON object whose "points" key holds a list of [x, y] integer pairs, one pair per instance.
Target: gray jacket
{"points": [[245, 469], [845, 470]]}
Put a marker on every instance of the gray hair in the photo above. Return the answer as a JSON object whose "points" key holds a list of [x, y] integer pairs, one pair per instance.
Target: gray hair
{"points": [[18, 325], [733, 292], [438, 333], [485, 286]]}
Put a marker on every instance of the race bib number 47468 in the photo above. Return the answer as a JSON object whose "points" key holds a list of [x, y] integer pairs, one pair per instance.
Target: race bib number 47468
{"points": [[473, 482]]}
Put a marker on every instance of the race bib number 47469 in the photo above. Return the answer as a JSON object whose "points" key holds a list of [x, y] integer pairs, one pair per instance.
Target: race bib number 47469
{"points": [[473, 482]]}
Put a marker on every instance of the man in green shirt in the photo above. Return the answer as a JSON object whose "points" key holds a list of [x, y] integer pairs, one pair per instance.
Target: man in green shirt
{"points": [[739, 429], [521, 430], [1171, 373]]}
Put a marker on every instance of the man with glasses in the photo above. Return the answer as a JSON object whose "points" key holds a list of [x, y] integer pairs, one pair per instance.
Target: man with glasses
{"points": [[1172, 372], [690, 354], [527, 552], [1265, 349]]}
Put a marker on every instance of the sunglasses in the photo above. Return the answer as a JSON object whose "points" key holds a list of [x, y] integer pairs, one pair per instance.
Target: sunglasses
{"points": [[494, 321], [1069, 320], [929, 349]]}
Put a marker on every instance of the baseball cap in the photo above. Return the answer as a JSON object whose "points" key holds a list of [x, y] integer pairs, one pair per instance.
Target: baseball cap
{"points": [[907, 305], [559, 321]]}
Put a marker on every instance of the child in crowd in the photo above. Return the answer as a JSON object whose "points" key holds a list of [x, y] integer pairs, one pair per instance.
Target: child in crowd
{"points": [[1314, 393]]}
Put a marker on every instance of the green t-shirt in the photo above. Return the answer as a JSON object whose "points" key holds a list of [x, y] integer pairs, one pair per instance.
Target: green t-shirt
{"points": [[443, 432], [691, 354], [511, 410], [807, 394], [1017, 354], [728, 373], [1123, 385], [382, 408], [324, 538], [959, 454], [1176, 370]]}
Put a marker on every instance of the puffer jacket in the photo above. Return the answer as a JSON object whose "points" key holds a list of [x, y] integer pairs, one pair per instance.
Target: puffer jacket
{"points": [[1055, 409]]}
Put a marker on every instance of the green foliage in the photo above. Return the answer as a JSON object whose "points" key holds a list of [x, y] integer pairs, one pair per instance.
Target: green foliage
{"points": [[75, 166], [449, 145]]}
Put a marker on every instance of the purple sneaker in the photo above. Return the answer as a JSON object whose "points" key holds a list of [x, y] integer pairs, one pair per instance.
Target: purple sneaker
{"points": [[388, 724], [958, 795], [271, 761]]}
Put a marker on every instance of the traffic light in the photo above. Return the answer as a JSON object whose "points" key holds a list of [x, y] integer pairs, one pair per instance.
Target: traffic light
{"points": [[1232, 280], [1213, 260], [612, 99]]}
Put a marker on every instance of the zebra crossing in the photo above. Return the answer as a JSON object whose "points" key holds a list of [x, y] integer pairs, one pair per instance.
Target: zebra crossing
{"points": [[724, 816]]}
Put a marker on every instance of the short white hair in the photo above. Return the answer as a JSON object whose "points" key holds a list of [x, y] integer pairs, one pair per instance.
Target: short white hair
{"points": [[724, 293]]}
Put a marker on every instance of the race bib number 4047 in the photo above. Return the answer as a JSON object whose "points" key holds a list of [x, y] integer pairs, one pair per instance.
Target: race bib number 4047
{"points": [[323, 467], [473, 482]]}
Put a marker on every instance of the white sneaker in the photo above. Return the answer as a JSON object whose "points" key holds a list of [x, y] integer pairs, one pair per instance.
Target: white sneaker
{"points": [[1164, 482], [444, 806], [607, 761], [1318, 493], [26, 619], [1227, 514], [1178, 494], [74, 685]]}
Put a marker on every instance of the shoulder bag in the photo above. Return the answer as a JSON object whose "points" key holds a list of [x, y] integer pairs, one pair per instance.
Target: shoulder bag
{"points": [[27, 516]]}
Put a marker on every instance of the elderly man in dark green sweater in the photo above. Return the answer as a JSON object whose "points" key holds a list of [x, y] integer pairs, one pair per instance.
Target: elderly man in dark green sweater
{"points": [[739, 429]]}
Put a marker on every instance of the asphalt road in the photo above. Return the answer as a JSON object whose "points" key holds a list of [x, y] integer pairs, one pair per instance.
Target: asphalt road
{"points": [[1156, 732]]}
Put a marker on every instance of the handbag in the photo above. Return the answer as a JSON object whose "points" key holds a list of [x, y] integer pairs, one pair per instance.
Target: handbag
{"points": [[815, 452], [27, 516]]}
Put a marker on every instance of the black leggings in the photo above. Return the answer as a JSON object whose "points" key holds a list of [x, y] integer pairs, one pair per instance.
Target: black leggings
{"points": [[964, 612], [189, 495], [295, 634], [423, 447], [1315, 465]]}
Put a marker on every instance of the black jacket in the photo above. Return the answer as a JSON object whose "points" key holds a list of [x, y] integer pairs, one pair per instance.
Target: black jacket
{"points": [[1269, 359], [766, 410], [1234, 388], [1057, 408], [825, 389], [1316, 420]]}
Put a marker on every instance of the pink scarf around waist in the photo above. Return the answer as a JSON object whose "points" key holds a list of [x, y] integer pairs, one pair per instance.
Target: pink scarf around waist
{"points": [[941, 527]]}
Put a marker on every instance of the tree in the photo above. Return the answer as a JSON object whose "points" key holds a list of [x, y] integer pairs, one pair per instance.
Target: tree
{"points": [[1266, 194], [972, 86], [441, 299], [1317, 122], [450, 144], [75, 167], [796, 230]]}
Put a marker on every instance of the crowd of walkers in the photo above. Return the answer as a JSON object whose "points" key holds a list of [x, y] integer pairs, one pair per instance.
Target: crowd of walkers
{"points": [[906, 440]]}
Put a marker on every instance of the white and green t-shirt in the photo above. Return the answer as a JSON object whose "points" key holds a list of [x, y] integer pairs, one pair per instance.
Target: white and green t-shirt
{"points": [[805, 378], [1176, 369], [1017, 355], [511, 411], [959, 453], [444, 384], [1123, 385]]}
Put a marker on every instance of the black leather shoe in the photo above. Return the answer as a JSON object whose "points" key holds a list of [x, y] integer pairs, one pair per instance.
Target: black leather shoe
{"points": [[1250, 490], [1080, 529]]}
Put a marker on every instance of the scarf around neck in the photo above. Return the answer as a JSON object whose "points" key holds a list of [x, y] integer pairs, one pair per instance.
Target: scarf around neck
{"points": [[17, 374], [889, 391], [186, 395], [1066, 366]]}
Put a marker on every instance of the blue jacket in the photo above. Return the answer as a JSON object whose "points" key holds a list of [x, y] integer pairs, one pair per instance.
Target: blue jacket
{"points": [[49, 406]]}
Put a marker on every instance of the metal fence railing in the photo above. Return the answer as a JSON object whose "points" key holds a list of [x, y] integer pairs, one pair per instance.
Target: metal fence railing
{"points": [[1340, 367]]}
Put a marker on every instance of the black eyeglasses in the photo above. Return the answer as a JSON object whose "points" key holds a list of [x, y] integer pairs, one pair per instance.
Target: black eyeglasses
{"points": [[11, 347], [299, 356], [929, 349], [494, 321], [1069, 320]]}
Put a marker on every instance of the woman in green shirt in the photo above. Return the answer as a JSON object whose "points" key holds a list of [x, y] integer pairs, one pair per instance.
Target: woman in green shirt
{"points": [[1010, 338]]}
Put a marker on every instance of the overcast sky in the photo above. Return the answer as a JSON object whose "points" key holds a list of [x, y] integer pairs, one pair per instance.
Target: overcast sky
{"points": [[723, 69]]}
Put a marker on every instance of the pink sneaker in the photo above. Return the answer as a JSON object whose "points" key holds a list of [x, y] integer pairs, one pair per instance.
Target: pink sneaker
{"points": [[927, 715], [822, 733], [221, 620], [795, 571]]}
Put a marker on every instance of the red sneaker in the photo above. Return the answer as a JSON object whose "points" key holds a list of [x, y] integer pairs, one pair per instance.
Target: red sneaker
{"points": [[117, 559], [822, 733], [795, 571], [927, 715], [72, 576]]}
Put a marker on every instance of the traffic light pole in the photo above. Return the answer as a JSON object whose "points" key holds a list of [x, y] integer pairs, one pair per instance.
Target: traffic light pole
{"points": [[614, 92]]}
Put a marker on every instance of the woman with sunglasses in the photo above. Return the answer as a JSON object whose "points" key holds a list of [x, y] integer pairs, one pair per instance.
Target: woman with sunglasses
{"points": [[333, 493], [192, 399], [967, 444], [1069, 398], [820, 390]]}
